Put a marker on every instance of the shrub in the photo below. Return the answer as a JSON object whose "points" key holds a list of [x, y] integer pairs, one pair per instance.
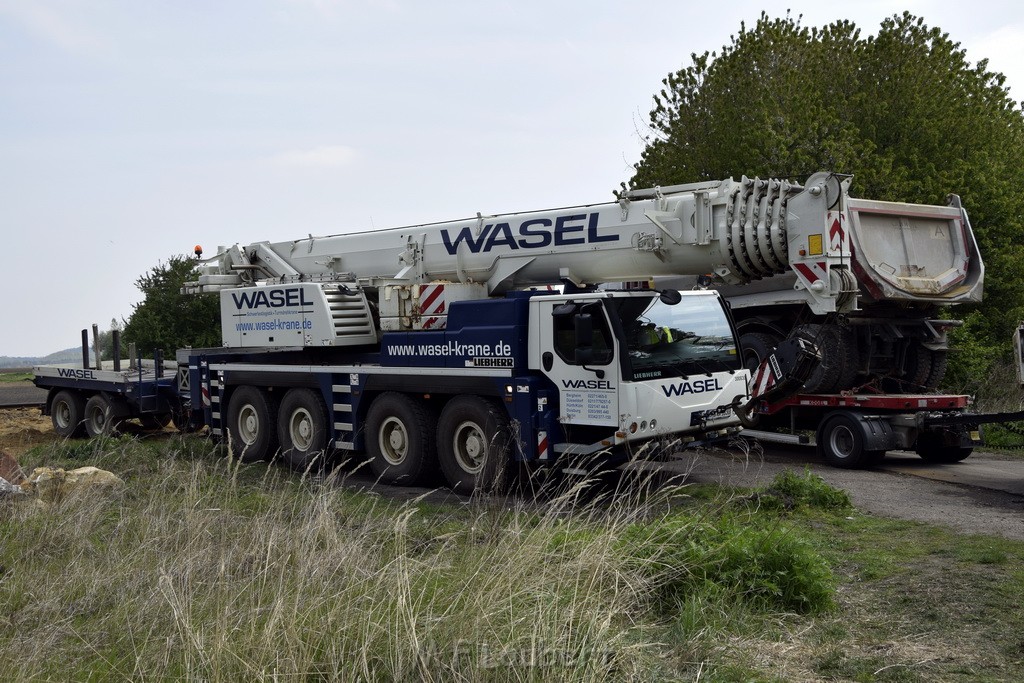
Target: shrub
{"points": [[731, 559], [791, 490]]}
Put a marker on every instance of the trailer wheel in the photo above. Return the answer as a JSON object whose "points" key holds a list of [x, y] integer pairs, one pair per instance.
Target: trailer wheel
{"points": [[302, 428], [102, 415], [252, 433], [473, 443], [841, 442], [931, 446], [400, 439], [67, 410]]}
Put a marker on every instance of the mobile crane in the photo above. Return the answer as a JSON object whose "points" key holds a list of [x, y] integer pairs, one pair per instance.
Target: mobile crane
{"points": [[445, 346]]}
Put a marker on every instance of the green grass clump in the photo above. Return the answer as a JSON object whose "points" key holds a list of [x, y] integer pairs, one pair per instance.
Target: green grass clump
{"points": [[731, 558], [790, 490]]}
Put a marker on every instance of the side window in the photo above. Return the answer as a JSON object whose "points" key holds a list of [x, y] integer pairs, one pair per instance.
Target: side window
{"points": [[565, 339]]}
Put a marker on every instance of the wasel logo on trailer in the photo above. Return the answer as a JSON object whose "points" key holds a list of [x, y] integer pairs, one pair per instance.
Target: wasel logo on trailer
{"points": [[76, 373]]}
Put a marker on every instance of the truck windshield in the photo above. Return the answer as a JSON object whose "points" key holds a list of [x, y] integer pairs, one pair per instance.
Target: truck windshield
{"points": [[693, 337]]}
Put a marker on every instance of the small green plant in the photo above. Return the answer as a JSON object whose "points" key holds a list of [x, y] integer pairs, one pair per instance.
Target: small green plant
{"points": [[790, 490]]}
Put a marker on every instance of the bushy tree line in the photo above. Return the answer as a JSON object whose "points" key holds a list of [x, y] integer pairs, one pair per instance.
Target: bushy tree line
{"points": [[168, 320], [903, 110]]}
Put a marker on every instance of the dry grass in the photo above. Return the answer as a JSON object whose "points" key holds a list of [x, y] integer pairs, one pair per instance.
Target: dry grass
{"points": [[202, 568], [206, 569]]}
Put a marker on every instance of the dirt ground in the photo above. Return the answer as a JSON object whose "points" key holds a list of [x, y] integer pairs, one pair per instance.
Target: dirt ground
{"points": [[24, 428]]}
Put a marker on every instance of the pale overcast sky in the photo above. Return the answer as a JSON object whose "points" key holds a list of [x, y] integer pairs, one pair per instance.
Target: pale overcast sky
{"points": [[131, 130]]}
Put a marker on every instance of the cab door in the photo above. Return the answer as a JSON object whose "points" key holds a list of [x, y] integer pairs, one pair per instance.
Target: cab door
{"points": [[574, 347]]}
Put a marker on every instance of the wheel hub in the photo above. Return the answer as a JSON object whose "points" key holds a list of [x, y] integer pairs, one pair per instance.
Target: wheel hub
{"points": [[302, 429], [470, 446], [394, 441], [248, 425], [63, 415], [842, 442]]}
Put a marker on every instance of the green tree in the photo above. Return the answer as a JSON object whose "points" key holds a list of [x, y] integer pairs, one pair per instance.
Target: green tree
{"points": [[904, 111], [106, 340], [168, 320]]}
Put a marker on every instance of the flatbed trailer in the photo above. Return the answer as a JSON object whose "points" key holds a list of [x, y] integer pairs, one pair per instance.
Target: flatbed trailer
{"points": [[857, 429], [94, 400]]}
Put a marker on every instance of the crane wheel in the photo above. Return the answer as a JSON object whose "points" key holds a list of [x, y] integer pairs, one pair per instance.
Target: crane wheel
{"points": [[303, 429], [474, 444], [252, 434], [400, 439]]}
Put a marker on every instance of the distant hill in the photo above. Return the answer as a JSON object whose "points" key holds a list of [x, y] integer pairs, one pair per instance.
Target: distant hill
{"points": [[74, 354]]}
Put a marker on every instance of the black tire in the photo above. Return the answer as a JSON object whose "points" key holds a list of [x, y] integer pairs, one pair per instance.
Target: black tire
{"points": [[841, 442], [838, 367], [400, 439], [923, 370], [756, 347], [303, 428], [912, 377], [940, 360], [155, 421], [936, 447], [917, 366], [102, 415], [252, 424], [67, 410], [474, 444]]}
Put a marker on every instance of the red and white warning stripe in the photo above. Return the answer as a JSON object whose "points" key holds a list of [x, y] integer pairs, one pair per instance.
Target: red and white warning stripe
{"points": [[542, 446], [836, 232], [811, 271], [432, 307], [766, 377]]}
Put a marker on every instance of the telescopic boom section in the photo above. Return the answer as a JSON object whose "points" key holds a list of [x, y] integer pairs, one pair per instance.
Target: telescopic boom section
{"points": [[738, 231]]}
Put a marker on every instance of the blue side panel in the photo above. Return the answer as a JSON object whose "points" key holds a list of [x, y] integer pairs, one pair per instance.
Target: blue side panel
{"points": [[535, 411], [485, 333]]}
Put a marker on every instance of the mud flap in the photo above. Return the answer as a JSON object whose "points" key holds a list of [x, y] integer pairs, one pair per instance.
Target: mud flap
{"points": [[878, 433]]}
